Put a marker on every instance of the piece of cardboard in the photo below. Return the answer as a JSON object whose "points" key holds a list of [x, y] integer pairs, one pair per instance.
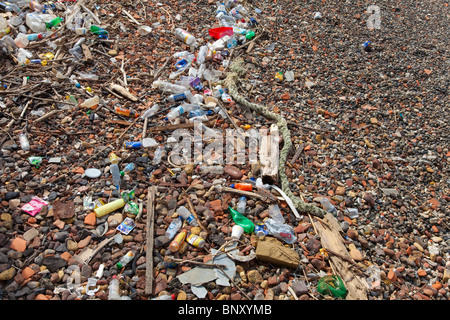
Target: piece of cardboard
{"points": [[273, 251]]}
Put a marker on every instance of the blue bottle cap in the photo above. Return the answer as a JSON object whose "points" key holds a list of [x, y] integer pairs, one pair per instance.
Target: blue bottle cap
{"points": [[232, 185]]}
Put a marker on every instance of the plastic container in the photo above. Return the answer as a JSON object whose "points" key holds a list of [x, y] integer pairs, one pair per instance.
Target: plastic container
{"points": [[185, 214], [199, 112], [80, 31], [36, 6], [91, 103], [242, 186], [109, 207], [24, 143], [173, 228], [275, 213], [196, 240], [218, 33], [241, 220], [35, 22], [179, 239], [281, 231], [185, 36], [132, 144], [178, 111], [126, 112], [114, 170], [150, 112], [98, 31], [21, 40], [167, 86], [53, 23], [125, 260], [180, 96], [35, 36], [242, 203], [128, 168], [237, 231], [158, 155], [113, 293]]}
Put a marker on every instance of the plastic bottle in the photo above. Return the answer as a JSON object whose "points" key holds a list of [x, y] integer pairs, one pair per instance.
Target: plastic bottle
{"points": [[167, 86], [241, 205], [24, 144], [184, 213], [98, 31], [178, 111], [275, 214], [242, 186], [114, 170], [9, 7], [91, 103], [35, 22], [128, 168], [113, 293], [126, 112], [173, 228], [21, 40], [281, 231], [125, 259], [80, 31], [54, 22], [158, 155], [35, 36], [328, 206], [180, 96], [150, 112], [165, 297], [201, 56], [36, 6], [221, 8], [109, 207], [199, 112], [196, 240], [185, 36], [179, 239], [241, 220]]}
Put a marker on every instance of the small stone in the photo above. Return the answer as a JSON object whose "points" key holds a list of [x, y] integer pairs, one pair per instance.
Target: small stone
{"points": [[254, 277], [299, 287], [7, 274], [233, 171], [19, 244]]}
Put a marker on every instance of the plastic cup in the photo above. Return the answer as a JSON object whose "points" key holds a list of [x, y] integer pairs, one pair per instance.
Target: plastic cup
{"points": [[237, 231]]}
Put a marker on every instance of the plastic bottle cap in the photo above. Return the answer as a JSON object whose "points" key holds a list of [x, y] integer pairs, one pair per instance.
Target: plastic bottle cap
{"points": [[232, 185], [119, 265]]}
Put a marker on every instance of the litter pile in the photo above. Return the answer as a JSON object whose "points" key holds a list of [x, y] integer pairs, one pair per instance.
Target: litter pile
{"points": [[219, 151]]}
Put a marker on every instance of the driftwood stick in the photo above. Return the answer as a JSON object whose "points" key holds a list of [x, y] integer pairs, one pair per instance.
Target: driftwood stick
{"points": [[150, 240]]}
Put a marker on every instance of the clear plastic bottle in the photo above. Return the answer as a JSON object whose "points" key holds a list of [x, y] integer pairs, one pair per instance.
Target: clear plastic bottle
{"points": [[173, 228], [242, 203], [114, 170], [149, 142], [185, 36], [199, 112], [275, 213], [168, 86], [128, 168], [180, 96], [21, 40], [113, 293], [281, 230], [150, 112], [125, 260], [158, 155], [35, 22], [24, 144], [201, 56], [36, 6], [178, 111], [184, 213]]}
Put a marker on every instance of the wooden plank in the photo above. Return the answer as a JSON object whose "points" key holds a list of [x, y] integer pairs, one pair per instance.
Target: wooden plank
{"points": [[150, 232], [331, 239]]}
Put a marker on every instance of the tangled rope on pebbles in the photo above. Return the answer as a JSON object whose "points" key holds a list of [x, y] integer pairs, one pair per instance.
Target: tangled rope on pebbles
{"points": [[238, 70]]}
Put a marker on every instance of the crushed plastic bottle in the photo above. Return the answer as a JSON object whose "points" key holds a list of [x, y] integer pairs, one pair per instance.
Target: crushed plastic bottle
{"points": [[150, 112], [281, 230], [114, 170], [275, 214], [168, 86], [242, 203], [242, 220]]}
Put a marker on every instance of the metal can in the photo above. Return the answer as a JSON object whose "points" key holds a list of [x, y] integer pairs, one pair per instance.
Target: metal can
{"points": [[261, 229], [133, 144]]}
